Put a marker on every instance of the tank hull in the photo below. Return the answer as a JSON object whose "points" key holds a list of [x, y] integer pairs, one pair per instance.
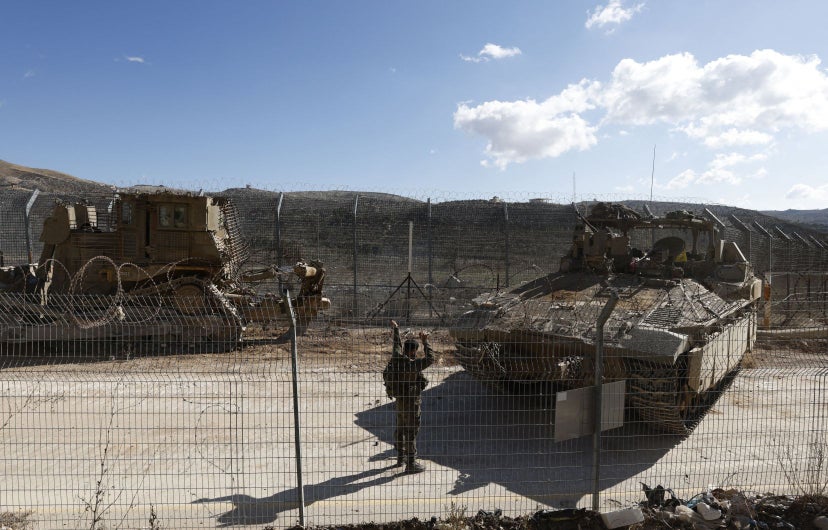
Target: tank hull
{"points": [[678, 332]]}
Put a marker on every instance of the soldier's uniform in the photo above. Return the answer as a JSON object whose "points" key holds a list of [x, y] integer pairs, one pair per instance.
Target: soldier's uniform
{"points": [[405, 383]]}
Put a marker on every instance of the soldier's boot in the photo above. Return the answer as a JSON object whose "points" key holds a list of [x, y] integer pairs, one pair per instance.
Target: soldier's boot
{"points": [[412, 466], [400, 454]]}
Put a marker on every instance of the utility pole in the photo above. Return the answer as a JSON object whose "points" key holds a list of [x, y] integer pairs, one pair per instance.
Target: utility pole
{"points": [[652, 175]]}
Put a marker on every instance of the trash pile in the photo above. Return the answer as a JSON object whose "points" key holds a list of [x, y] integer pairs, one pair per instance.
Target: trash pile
{"points": [[715, 508], [567, 519], [720, 508]]}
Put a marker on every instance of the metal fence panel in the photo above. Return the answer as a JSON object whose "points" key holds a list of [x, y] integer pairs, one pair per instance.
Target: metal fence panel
{"points": [[122, 411]]}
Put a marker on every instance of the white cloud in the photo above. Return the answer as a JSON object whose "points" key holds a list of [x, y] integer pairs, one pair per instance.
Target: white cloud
{"points": [[732, 159], [522, 130], [492, 51], [29, 74], [735, 101], [711, 176], [806, 192], [614, 13], [720, 171], [744, 201], [730, 138], [498, 52], [134, 59]]}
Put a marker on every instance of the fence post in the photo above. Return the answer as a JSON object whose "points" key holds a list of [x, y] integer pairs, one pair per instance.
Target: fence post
{"points": [[767, 316], [789, 266], [770, 248], [29, 205], [297, 436], [279, 237], [599, 396], [716, 220], [356, 305], [430, 258], [806, 250], [408, 279], [506, 234], [747, 232]]}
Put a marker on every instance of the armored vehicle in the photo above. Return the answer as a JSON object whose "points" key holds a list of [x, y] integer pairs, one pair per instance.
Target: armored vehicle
{"points": [[684, 318], [169, 267]]}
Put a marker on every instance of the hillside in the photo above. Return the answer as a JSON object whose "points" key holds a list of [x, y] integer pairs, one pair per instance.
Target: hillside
{"points": [[14, 177], [816, 219], [17, 179]]}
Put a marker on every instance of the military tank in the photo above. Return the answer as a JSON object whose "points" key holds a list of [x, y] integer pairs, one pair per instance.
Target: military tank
{"points": [[169, 268], [685, 316]]}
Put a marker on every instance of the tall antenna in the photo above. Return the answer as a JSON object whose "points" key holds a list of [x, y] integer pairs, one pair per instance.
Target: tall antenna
{"points": [[573, 187], [652, 175]]}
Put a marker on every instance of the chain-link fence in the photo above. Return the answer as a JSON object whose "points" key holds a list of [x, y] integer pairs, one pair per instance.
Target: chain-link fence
{"points": [[180, 401]]}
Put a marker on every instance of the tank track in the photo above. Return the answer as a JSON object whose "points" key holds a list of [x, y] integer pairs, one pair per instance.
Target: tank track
{"points": [[657, 395], [481, 361]]}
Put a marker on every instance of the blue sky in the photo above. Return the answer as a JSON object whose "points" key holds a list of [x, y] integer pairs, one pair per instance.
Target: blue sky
{"points": [[426, 98]]}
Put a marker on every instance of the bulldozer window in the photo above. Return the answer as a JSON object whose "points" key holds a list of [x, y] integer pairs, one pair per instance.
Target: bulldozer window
{"points": [[173, 216], [180, 216], [164, 216], [126, 213]]}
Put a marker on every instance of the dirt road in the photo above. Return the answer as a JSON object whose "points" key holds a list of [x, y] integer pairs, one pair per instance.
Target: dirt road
{"points": [[208, 440]]}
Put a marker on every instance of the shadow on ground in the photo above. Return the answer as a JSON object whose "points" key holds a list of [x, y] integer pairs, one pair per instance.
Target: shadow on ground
{"points": [[487, 438], [249, 510], [491, 438]]}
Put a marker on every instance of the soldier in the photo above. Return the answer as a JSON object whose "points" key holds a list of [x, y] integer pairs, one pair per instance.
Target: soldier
{"points": [[404, 381]]}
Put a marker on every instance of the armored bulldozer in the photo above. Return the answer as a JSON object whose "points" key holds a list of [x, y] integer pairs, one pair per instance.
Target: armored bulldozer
{"points": [[169, 268], [684, 318]]}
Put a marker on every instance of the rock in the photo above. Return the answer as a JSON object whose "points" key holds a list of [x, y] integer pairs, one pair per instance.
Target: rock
{"points": [[621, 518], [669, 519], [689, 516], [708, 513], [821, 522]]}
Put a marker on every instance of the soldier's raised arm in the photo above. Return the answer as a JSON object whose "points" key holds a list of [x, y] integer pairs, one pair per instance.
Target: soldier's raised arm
{"points": [[429, 353], [397, 350]]}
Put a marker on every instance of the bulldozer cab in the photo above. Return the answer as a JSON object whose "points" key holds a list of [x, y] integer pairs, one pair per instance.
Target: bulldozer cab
{"points": [[166, 228], [166, 233]]}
